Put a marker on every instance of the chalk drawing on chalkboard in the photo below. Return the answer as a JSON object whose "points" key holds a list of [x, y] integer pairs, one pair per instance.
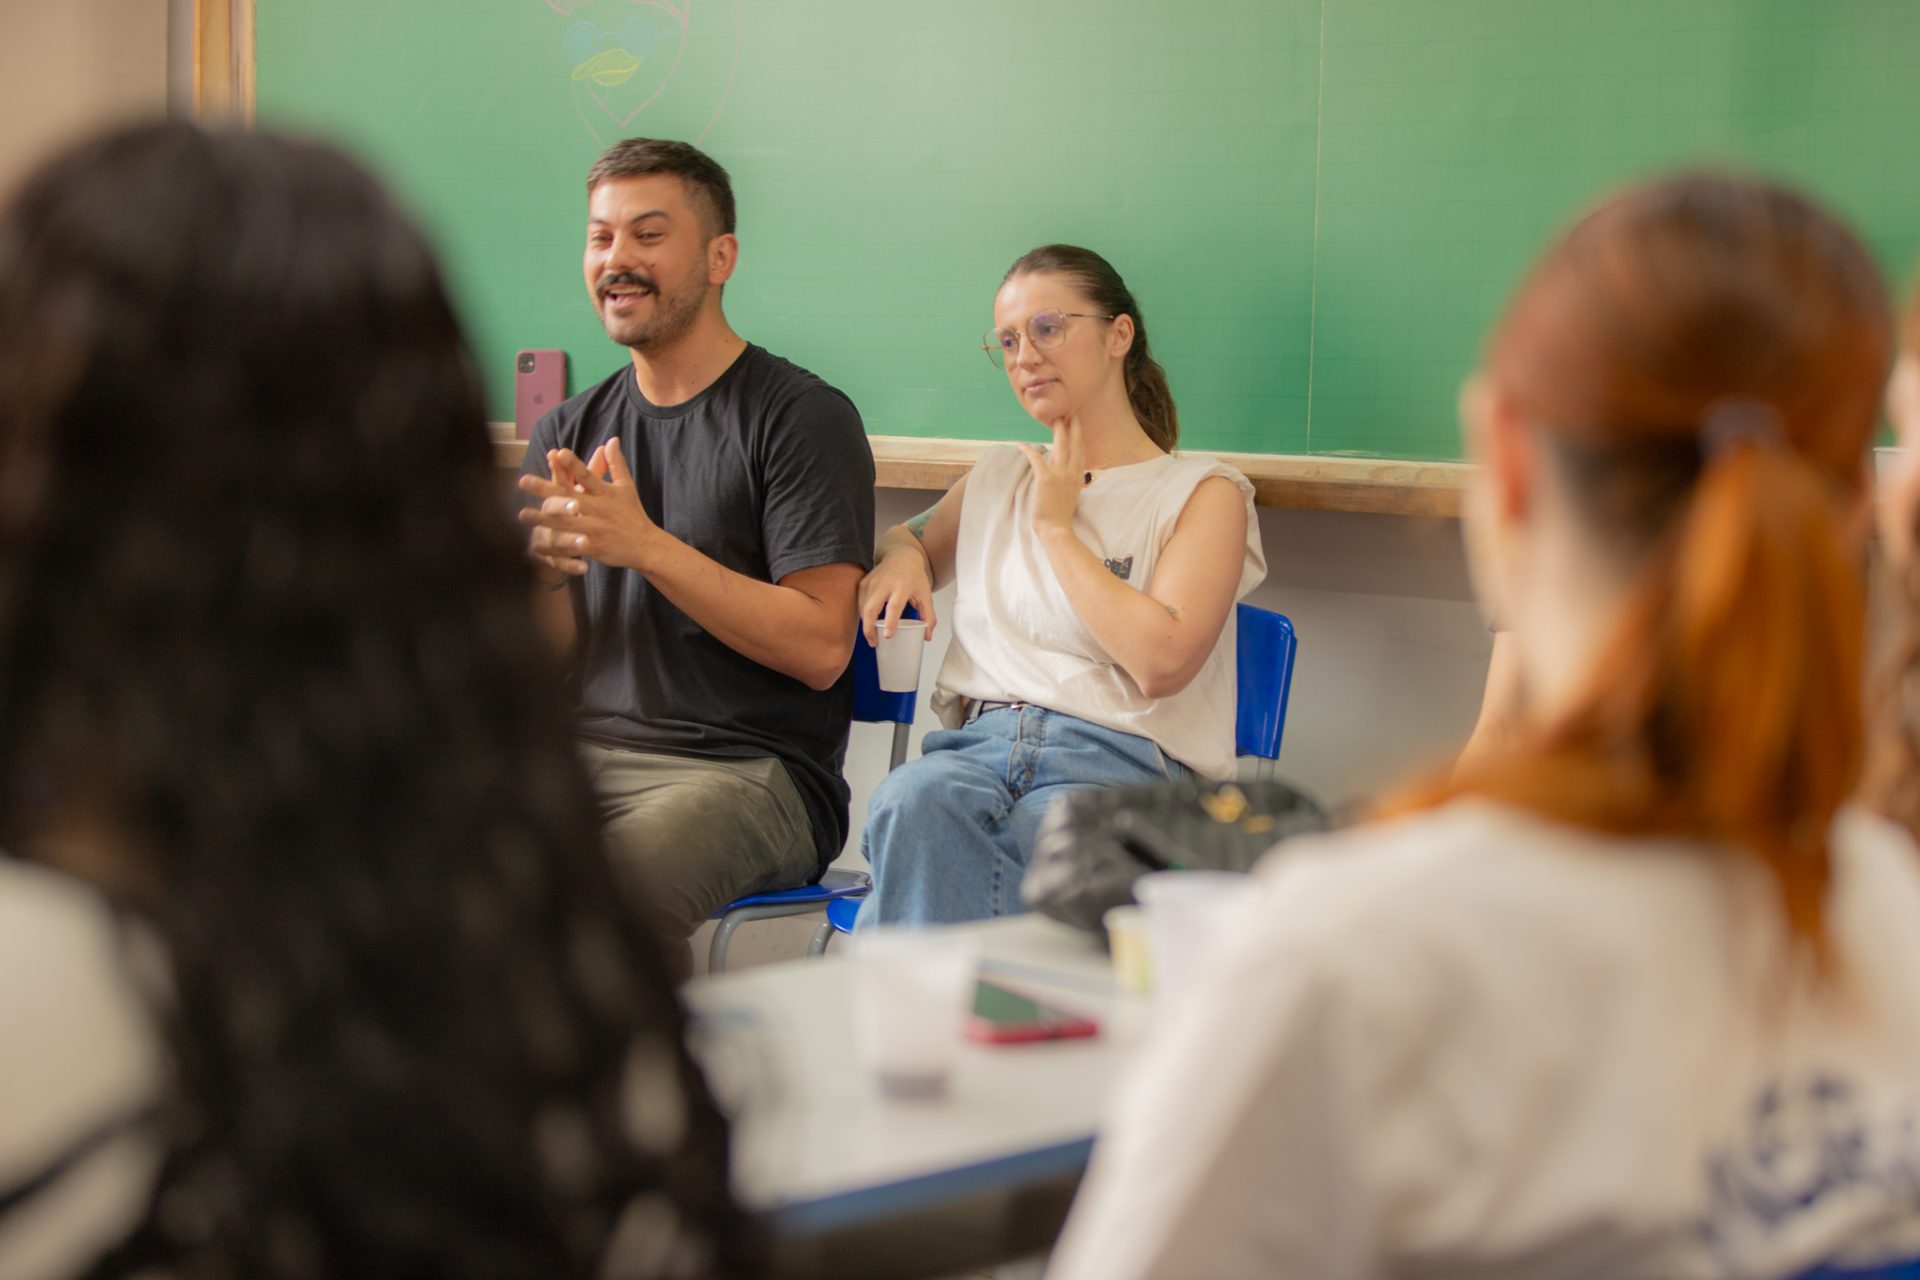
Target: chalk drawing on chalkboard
{"points": [[623, 57]]}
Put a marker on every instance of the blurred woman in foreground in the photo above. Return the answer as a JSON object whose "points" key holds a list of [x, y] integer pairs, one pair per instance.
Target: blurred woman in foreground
{"points": [[1633, 995], [366, 1004]]}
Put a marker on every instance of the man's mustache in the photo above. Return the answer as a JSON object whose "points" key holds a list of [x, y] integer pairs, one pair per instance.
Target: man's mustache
{"points": [[624, 278]]}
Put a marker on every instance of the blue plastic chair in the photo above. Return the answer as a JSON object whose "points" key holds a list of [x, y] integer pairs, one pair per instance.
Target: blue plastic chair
{"points": [[1264, 649], [1263, 681], [841, 913], [871, 705]]}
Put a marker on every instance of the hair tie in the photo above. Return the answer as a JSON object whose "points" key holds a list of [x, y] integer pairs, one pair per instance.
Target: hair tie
{"points": [[1740, 420]]}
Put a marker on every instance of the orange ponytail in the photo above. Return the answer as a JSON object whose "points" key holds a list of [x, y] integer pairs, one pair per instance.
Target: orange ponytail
{"points": [[1768, 658]]}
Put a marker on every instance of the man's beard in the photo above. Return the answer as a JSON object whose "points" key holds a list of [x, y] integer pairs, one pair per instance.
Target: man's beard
{"points": [[673, 313]]}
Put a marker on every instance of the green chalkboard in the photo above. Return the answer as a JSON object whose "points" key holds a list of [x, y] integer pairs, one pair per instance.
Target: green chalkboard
{"points": [[1320, 203]]}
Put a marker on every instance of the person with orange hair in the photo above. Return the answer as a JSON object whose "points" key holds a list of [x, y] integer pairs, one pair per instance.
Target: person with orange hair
{"points": [[1634, 994], [1893, 773]]}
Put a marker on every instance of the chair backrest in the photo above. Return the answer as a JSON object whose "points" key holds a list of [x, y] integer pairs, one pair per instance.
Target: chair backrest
{"points": [[874, 705], [1265, 676]]}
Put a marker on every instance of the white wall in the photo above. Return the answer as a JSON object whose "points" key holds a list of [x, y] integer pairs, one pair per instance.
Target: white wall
{"points": [[72, 65]]}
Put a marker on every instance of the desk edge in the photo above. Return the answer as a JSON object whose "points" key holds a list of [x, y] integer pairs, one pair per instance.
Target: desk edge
{"points": [[840, 1210]]}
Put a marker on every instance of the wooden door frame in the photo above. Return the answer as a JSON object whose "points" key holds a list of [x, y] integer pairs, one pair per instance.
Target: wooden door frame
{"points": [[223, 60]]}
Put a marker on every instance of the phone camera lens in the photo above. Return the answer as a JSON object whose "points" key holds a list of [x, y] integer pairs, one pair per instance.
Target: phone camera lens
{"points": [[526, 363]]}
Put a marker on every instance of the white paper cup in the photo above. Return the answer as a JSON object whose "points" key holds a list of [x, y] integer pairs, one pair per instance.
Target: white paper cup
{"points": [[899, 655], [1184, 911], [911, 991]]}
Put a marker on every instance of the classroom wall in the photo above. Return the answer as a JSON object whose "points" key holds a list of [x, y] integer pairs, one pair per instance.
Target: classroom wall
{"points": [[69, 67]]}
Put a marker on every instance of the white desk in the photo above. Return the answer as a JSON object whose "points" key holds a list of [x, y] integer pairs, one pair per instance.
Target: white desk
{"points": [[819, 1150]]}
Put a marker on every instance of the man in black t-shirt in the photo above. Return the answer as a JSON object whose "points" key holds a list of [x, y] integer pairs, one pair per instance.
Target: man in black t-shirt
{"points": [[703, 518]]}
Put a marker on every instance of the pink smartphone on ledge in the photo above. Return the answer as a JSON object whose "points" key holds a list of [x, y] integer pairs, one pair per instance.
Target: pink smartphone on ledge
{"points": [[539, 383]]}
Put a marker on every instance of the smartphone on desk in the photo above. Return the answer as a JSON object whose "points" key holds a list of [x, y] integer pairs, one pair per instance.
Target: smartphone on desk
{"points": [[1001, 1016]]}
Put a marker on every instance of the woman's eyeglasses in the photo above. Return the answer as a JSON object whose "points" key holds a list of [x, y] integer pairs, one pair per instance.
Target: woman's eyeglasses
{"points": [[1045, 330]]}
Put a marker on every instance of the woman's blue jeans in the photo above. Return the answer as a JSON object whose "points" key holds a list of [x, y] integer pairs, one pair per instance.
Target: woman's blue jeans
{"points": [[949, 835]]}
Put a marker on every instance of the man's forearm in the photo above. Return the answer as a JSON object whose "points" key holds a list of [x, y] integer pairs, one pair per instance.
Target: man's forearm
{"points": [[803, 631], [777, 626]]}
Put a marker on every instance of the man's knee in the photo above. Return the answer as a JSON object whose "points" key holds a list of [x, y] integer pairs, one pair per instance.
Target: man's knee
{"points": [[709, 837]]}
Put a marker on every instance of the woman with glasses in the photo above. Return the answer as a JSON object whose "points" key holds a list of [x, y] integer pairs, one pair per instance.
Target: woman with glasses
{"points": [[1634, 993], [1093, 583]]}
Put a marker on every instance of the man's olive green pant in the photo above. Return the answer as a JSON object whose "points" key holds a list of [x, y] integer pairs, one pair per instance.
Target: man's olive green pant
{"points": [[687, 836]]}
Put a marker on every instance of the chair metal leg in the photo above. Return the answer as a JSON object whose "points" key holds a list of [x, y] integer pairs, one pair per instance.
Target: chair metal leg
{"points": [[737, 916], [722, 939], [817, 945]]}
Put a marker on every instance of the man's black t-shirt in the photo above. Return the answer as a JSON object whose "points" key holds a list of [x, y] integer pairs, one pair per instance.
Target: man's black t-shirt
{"points": [[766, 471]]}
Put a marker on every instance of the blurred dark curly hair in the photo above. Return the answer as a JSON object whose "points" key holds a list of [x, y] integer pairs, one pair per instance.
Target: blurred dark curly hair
{"points": [[264, 629]]}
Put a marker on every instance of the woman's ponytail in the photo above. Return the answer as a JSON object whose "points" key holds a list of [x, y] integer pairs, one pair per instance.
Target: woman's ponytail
{"points": [[1148, 393], [1765, 640]]}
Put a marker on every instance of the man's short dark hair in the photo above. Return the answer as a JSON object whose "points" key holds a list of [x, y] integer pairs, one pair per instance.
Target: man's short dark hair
{"points": [[706, 181]]}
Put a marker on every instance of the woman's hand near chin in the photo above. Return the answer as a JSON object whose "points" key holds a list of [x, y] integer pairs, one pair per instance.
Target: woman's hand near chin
{"points": [[1058, 476]]}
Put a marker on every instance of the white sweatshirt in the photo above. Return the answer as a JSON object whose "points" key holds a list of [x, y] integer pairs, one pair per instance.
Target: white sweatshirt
{"points": [[78, 1058], [1474, 1043]]}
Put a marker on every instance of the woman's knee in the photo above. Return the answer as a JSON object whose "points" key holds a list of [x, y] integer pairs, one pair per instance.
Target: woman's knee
{"points": [[931, 785], [931, 804]]}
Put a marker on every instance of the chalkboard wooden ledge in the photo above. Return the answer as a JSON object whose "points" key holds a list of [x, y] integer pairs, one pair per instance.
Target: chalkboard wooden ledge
{"points": [[1307, 482]]}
